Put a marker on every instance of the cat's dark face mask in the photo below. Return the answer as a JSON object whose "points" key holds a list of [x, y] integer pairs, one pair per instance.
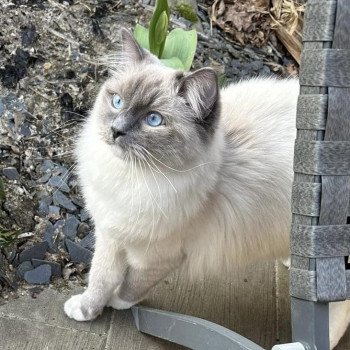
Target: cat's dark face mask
{"points": [[148, 111]]}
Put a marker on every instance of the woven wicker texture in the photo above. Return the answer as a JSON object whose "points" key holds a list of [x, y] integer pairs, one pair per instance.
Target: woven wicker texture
{"points": [[320, 239]]}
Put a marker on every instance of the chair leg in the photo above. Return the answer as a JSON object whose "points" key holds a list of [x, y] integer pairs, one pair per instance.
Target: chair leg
{"points": [[310, 324]]}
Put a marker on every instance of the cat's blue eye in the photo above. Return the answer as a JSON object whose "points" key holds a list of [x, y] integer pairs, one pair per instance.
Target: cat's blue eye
{"points": [[117, 102], [154, 119]]}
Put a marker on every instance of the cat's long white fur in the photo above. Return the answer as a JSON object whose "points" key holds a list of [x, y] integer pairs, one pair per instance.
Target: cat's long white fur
{"points": [[222, 208], [230, 208]]}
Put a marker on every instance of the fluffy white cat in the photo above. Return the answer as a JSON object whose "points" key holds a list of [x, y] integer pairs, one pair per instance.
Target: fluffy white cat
{"points": [[176, 173]]}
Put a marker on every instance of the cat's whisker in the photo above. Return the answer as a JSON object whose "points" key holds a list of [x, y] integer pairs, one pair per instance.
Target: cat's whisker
{"points": [[171, 184], [155, 179], [135, 160], [153, 210], [75, 113], [179, 171]]}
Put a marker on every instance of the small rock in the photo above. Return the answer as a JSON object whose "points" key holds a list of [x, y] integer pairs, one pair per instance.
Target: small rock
{"points": [[256, 65], [60, 199], [36, 252], [23, 268], [77, 253], [54, 212], [83, 229], [58, 226], [58, 182], [47, 165], [50, 236], [43, 208], [2, 107], [84, 215], [79, 202], [25, 130], [29, 35], [88, 241], [44, 178], [11, 173], [70, 227], [40, 275], [55, 267], [61, 170], [265, 71], [46, 198]]}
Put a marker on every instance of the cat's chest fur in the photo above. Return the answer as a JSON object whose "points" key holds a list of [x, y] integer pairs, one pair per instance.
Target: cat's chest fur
{"points": [[133, 201]]}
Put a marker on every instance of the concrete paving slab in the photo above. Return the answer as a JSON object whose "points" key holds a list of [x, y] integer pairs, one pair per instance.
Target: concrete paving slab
{"points": [[123, 335], [47, 308], [23, 334]]}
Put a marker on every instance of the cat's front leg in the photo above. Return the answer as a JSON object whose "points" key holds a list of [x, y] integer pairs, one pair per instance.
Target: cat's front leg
{"points": [[107, 270], [145, 269]]}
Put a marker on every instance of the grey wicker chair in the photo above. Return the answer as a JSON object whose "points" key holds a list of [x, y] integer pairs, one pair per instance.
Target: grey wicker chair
{"points": [[320, 238]]}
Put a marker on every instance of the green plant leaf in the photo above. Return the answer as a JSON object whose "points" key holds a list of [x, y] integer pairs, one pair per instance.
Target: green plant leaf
{"points": [[173, 62], [156, 44], [181, 44], [161, 28], [141, 36], [7, 237]]}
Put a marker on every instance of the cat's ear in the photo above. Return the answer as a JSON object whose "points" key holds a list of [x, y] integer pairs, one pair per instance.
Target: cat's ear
{"points": [[201, 90], [131, 50]]}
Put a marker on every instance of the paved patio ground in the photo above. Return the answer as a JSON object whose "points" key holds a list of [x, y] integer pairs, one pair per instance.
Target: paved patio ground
{"points": [[253, 301]]}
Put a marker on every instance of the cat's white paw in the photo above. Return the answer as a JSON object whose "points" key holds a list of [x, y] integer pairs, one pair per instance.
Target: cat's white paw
{"points": [[75, 309]]}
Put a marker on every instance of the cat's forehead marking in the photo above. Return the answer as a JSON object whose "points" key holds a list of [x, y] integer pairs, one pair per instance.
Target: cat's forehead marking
{"points": [[144, 89]]}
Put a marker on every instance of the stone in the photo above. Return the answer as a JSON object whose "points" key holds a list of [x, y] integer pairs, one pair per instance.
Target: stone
{"points": [[2, 107], [70, 227], [49, 236], [83, 229], [39, 275], [25, 130], [54, 212], [265, 71], [84, 215], [61, 170], [88, 241], [47, 199], [63, 201], [77, 253], [55, 267], [47, 165], [11, 173], [43, 208], [23, 268], [58, 182], [58, 226], [36, 252], [256, 65], [44, 178], [78, 201]]}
